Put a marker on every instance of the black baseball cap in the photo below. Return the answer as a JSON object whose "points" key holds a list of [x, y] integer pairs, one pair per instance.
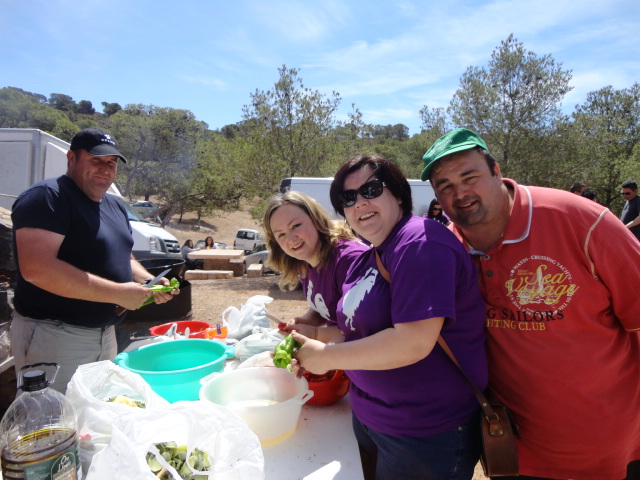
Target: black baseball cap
{"points": [[97, 142]]}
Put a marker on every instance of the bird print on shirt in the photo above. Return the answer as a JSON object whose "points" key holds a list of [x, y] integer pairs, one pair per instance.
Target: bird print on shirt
{"points": [[317, 303], [356, 294]]}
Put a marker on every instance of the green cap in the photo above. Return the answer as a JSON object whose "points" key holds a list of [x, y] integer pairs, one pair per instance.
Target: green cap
{"points": [[452, 142]]}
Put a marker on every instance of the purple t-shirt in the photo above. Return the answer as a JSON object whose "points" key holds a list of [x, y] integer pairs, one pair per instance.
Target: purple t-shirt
{"points": [[431, 276], [323, 287]]}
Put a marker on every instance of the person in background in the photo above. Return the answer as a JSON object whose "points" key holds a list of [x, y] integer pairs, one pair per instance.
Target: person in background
{"points": [[577, 188], [309, 248], [209, 244], [557, 275], [190, 263], [630, 215], [590, 194], [73, 245], [414, 414], [435, 213]]}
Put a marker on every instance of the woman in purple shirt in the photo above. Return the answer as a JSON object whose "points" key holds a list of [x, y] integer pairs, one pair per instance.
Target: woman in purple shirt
{"points": [[307, 247], [414, 413]]}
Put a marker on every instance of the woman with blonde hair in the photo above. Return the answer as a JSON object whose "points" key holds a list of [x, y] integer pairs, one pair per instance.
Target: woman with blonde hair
{"points": [[311, 249]]}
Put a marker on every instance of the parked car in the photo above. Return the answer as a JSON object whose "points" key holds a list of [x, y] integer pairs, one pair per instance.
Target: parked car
{"points": [[247, 239], [258, 255], [145, 208]]}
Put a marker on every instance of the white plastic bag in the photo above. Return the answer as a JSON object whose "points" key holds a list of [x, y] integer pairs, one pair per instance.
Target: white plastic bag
{"points": [[264, 339], [251, 315], [88, 391], [234, 450]]}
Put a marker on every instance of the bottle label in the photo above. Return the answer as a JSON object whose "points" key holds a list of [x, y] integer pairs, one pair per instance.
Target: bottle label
{"points": [[63, 466]]}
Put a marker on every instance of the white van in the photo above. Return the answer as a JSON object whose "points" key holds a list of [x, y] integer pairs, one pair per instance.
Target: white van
{"points": [[318, 188], [247, 239], [149, 240]]}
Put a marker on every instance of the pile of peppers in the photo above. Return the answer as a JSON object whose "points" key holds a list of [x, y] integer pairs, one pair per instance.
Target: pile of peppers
{"points": [[283, 352]]}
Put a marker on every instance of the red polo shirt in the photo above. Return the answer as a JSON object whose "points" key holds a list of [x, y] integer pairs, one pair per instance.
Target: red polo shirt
{"points": [[563, 314]]}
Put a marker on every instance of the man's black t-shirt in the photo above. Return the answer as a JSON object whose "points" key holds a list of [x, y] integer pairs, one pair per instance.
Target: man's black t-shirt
{"points": [[97, 240], [630, 212]]}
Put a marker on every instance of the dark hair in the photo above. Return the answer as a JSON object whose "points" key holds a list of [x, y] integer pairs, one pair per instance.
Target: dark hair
{"points": [[433, 203], [590, 194], [630, 184], [491, 162], [577, 187], [383, 170], [329, 233], [186, 242], [206, 241], [440, 216]]}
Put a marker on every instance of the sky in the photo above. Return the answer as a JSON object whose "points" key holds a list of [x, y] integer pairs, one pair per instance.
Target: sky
{"points": [[388, 58]]}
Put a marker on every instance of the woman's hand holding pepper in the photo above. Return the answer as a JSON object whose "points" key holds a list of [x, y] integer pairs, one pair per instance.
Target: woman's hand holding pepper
{"points": [[311, 356]]}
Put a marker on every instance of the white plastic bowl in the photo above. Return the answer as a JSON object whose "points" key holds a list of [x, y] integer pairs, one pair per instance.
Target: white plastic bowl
{"points": [[268, 399]]}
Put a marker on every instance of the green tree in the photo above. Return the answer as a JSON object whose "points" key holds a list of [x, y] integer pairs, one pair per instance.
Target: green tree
{"points": [[435, 120], [85, 107], [19, 109], [290, 129], [513, 104], [216, 184], [110, 108], [63, 102], [161, 146], [608, 126]]}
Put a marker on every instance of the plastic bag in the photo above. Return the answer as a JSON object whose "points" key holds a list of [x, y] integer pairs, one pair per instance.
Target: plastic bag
{"points": [[251, 315], [234, 450], [88, 391], [264, 339]]}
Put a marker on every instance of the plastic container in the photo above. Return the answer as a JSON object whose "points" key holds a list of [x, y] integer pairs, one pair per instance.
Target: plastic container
{"points": [[38, 432], [174, 368], [218, 332], [197, 329], [268, 399], [328, 389]]}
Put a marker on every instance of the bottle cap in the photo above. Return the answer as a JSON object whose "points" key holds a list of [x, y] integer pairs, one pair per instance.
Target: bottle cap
{"points": [[34, 380]]}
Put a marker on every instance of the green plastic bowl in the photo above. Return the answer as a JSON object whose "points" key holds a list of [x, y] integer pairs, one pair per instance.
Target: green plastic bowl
{"points": [[173, 368]]}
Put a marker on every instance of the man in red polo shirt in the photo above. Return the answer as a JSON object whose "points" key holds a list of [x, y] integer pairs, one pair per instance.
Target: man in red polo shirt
{"points": [[563, 317]]}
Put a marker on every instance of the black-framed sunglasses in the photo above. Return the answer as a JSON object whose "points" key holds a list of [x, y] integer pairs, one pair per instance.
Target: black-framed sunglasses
{"points": [[369, 190], [625, 193]]}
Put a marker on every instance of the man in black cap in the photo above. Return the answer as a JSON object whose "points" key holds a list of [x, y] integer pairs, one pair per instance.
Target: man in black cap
{"points": [[73, 248]]}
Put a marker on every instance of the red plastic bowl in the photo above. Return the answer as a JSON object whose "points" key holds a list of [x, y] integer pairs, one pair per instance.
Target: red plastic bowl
{"points": [[197, 329], [328, 388]]}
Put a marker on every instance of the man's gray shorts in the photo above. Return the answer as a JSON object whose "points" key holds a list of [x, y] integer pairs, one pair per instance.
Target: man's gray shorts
{"points": [[52, 341]]}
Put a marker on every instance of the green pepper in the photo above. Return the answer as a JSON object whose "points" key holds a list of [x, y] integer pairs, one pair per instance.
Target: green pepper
{"points": [[174, 284], [283, 352]]}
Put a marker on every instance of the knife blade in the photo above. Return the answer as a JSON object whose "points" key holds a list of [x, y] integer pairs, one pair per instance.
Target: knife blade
{"points": [[156, 279], [120, 310]]}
